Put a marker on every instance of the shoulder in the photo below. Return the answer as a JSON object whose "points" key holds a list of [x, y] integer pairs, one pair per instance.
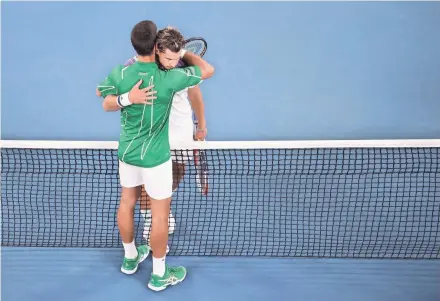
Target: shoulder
{"points": [[117, 70], [121, 72], [187, 71], [179, 73]]}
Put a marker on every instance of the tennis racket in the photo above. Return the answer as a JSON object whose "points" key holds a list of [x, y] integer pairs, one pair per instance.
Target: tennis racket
{"points": [[196, 45], [201, 164]]}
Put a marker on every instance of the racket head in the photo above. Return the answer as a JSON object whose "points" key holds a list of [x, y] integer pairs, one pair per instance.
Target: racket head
{"points": [[196, 45]]}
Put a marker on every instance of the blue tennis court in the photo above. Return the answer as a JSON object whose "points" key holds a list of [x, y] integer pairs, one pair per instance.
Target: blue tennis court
{"points": [[93, 274]]}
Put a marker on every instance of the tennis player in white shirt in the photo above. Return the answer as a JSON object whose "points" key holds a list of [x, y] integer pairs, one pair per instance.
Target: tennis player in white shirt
{"points": [[182, 129]]}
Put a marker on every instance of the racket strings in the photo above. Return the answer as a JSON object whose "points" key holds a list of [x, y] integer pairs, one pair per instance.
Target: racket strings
{"points": [[197, 46]]}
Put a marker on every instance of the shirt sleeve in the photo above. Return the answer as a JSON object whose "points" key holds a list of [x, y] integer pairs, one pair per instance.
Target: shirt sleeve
{"points": [[109, 86], [181, 78]]}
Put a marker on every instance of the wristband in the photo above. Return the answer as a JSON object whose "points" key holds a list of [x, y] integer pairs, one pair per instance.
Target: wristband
{"points": [[123, 100], [182, 53]]}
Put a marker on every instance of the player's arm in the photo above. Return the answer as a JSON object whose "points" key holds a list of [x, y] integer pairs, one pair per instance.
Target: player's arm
{"points": [[196, 98], [181, 78], [135, 96], [108, 89], [191, 59]]}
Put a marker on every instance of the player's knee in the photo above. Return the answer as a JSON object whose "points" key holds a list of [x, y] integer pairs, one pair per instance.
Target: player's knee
{"points": [[126, 206], [160, 221], [128, 201]]}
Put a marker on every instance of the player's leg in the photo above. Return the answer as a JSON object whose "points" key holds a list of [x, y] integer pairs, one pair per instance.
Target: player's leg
{"points": [[178, 161], [176, 135], [145, 205], [158, 184], [180, 134], [178, 173], [130, 178]]}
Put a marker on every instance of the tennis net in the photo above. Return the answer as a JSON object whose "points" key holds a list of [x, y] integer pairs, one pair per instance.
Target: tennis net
{"points": [[355, 199]]}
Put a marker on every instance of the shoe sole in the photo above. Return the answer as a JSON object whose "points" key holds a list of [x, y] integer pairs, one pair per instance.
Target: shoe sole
{"points": [[131, 272], [158, 289]]}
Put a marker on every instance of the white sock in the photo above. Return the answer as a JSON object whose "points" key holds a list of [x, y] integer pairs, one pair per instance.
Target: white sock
{"points": [[130, 250], [159, 266]]}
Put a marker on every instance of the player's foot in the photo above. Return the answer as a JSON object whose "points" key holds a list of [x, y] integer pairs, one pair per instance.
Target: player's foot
{"points": [[172, 276], [130, 266]]}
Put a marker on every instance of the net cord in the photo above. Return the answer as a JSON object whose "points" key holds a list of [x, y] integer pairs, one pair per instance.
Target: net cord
{"points": [[304, 144]]}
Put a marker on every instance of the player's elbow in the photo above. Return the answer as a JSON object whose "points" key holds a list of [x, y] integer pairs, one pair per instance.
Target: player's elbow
{"points": [[106, 105], [208, 72]]}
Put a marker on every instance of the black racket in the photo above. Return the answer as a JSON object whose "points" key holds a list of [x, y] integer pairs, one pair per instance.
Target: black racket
{"points": [[201, 164], [197, 45]]}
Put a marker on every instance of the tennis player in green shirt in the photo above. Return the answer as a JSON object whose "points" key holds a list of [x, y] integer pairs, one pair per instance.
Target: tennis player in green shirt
{"points": [[144, 93]]}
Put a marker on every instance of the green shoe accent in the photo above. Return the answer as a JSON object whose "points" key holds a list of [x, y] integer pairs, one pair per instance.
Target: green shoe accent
{"points": [[172, 276], [130, 266]]}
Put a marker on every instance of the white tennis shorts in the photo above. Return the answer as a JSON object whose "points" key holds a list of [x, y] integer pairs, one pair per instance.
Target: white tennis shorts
{"points": [[158, 180], [181, 135]]}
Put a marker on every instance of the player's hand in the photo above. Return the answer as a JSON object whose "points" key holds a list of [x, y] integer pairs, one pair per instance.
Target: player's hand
{"points": [[200, 134], [98, 93], [142, 96]]}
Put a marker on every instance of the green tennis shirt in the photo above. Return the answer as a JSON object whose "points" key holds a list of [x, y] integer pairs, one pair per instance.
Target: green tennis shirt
{"points": [[144, 138]]}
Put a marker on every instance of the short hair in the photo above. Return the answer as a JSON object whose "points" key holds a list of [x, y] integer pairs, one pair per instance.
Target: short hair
{"points": [[143, 37], [170, 38]]}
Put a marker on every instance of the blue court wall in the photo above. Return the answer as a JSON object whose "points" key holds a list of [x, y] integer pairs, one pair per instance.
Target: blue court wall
{"points": [[285, 70]]}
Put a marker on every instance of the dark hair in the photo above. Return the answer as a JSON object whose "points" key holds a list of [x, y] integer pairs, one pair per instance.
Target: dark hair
{"points": [[143, 37], [170, 38]]}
